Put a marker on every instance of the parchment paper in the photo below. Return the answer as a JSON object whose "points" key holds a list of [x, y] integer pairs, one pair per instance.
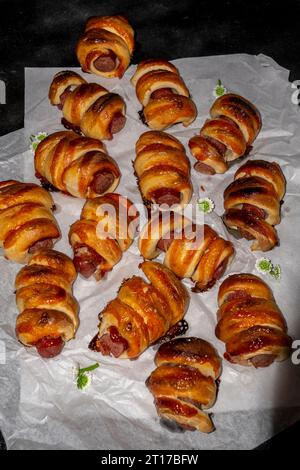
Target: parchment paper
{"points": [[40, 404]]}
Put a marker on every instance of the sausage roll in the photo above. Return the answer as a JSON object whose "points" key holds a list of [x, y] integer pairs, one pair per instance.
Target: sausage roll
{"points": [[106, 228], [228, 135], [163, 95], [252, 203], [162, 169], [106, 46], [141, 313], [48, 311], [88, 108], [76, 165], [250, 322], [26, 220], [191, 251], [184, 383]]}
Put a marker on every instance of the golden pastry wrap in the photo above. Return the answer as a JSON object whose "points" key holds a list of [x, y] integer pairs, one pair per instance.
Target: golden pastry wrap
{"points": [[253, 201], [76, 165], [106, 46], [184, 382], [163, 94], [191, 251], [26, 220], [88, 108], [250, 322], [162, 169], [228, 135], [48, 310], [105, 230], [141, 313]]}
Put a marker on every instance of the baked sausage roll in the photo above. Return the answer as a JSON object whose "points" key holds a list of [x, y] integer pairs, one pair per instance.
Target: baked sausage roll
{"points": [[106, 46], [250, 322], [88, 108], [106, 228], [252, 203], [162, 169], [26, 220], [76, 165], [184, 383], [141, 313], [163, 95], [48, 311], [228, 135], [191, 251]]}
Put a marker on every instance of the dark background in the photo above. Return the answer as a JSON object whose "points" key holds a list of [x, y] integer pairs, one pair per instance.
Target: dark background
{"points": [[43, 34]]}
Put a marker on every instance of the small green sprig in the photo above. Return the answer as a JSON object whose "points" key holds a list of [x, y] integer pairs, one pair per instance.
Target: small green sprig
{"points": [[265, 266], [219, 89], [35, 139], [206, 205], [83, 376], [276, 272]]}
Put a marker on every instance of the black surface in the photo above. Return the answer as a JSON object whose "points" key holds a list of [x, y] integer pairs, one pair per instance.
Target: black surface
{"points": [[287, 439], [43, 34]]}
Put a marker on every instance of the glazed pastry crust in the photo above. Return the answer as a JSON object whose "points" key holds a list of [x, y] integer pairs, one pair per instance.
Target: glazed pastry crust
{"points": [[142, 311], [270, 172], [163, 94], [88, 108], [45, 300], [25, 219], [253, 201], [257, 192], [195, 252], [264, 235], [241, 111], [207, 154], [251, 285], [69, 163], [62, 80], [107, 226], [161, 162], [184, 382], [164, 112], [105, 34], [114, 214], [250, 323], [156, 80], [227, 135], [151, 65]]}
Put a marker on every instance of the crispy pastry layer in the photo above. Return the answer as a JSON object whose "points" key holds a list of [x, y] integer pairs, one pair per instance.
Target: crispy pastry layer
{"points": [[195, 252], [26, 220], [250, 323], [142, 312], [252, 203], [88, 108], [106, 228], [162, 169], [48, 310], [184, 382], [163, 94], [228, 135], [106, 46], [76, 165]]}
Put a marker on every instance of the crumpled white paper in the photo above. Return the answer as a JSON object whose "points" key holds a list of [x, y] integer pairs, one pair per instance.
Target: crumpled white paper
{"points": [[40, 404]]}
